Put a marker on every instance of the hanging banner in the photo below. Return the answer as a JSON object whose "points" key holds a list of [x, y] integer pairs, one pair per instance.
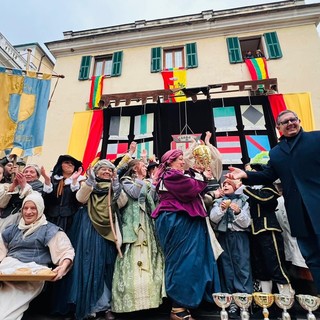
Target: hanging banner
{"points": [[23, 112], [183, 141]]}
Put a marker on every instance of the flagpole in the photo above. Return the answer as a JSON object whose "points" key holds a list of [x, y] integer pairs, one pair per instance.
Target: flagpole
{"points": [[28, 59], [38, 73]]}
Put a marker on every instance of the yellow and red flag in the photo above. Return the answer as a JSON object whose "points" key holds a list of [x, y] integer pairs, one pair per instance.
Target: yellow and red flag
{"points": [[175, 79]]}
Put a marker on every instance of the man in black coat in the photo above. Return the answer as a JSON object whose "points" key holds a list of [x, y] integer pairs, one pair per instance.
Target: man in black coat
{"points": [[296, 161]]}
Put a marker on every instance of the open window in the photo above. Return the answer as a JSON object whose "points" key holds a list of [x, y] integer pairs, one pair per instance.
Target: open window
{"points": [[268, 44]]}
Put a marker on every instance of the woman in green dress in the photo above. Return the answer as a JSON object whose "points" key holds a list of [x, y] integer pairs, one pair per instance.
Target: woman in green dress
{"points": [[138, 276]]}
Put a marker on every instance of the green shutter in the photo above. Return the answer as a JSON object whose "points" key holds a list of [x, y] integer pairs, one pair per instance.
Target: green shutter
{"points": [[191, 53], [85, 68], [116, 64], [273, 45], [234, 50], [156, 59]]}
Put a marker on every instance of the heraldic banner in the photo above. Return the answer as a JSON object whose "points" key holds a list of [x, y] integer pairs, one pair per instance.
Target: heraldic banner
{"points": [[23, 111]]}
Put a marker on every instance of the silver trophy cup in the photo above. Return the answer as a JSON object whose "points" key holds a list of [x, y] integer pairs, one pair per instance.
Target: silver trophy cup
{"points": [[222, 300], [309, 303], [243, 301], [284, 302]]}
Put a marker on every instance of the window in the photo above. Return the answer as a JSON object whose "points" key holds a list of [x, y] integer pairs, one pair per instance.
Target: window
{"points": [[110, 65], [173, 58], [103, 66], [177, 57], [268, 44]]}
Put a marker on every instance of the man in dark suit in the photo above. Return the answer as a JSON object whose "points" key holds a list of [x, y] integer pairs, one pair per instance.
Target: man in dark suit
{"points": [[296, 161]]}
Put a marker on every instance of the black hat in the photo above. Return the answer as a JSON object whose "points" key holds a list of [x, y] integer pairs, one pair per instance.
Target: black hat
{"points": [[57, 169], [152, 164], [5, 160]]}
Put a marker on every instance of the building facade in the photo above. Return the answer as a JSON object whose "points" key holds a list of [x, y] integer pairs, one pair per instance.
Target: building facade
{"points": [[211, 47]]}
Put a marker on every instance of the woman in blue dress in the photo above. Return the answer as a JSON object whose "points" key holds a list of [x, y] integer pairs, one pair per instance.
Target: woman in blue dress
{"points": [[191, 273]]}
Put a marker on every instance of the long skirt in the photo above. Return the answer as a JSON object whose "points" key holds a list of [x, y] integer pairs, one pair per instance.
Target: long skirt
{"points": [[91, 275], [138, 277], [191, 272]]}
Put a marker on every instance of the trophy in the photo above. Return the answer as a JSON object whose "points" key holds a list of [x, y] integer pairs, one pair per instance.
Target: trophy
{"points": [[222, 300], [265, 301], [309, 303], [285, 302], [243, 301]]}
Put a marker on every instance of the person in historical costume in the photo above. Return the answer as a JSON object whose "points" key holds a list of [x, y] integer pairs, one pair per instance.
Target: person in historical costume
{"points": [[60, 199], [206, 158], [191, 272], [30, 245], [267, 246], [93, 234], [11, 197], [231, 215], [138, 275]]}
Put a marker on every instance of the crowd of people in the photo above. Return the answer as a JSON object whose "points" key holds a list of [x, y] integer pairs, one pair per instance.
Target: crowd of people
{"points": [[127, 235]]}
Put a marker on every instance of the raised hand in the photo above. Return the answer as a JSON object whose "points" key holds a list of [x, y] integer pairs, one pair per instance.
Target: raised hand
{"points": [[91, 178], [207, 137], [132, 147], [45, 175], [76, 174], [236, 173]]}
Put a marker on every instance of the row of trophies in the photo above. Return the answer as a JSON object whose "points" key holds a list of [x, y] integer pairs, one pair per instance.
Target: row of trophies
{"points": [[265, 300]]}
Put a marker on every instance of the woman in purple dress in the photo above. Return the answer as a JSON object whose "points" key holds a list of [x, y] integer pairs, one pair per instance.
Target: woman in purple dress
{"points": [[191, 273]]}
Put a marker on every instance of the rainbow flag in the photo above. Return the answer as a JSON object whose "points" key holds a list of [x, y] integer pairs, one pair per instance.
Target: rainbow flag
{"points": [[175, 78], [96, 91], [257, 68]]}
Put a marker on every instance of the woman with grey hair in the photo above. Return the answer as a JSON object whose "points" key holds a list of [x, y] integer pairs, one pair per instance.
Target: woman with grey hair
{"points": [[87, 290]]}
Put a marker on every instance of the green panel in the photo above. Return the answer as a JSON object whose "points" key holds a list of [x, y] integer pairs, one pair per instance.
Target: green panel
{"points": [[273, 45], [156, 59], [191, 54], [85, 68], [234, 50], [116, 64]]}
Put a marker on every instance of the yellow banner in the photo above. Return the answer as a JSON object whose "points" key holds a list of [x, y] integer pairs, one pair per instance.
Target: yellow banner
{"points": [[301, 104], [79, 133]]}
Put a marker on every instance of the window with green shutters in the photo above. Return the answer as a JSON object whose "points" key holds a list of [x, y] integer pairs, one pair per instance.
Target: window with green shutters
{"points": [[273, 45], [156, 59], [116, 64], [85, 68], [191, 55], [234, 50]]}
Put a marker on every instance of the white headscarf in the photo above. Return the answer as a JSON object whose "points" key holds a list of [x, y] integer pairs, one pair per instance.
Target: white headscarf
{"points": [[41, 220]]}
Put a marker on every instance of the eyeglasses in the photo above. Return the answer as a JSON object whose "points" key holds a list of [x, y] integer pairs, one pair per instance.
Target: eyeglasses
{"points": [[286, 122]]}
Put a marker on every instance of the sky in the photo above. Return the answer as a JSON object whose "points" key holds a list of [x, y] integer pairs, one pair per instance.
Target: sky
{"points": [[45, 21]]}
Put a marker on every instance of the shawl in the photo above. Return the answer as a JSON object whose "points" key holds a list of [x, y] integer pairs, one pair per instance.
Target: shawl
{"points": [[99, 209], [41, 220]]}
